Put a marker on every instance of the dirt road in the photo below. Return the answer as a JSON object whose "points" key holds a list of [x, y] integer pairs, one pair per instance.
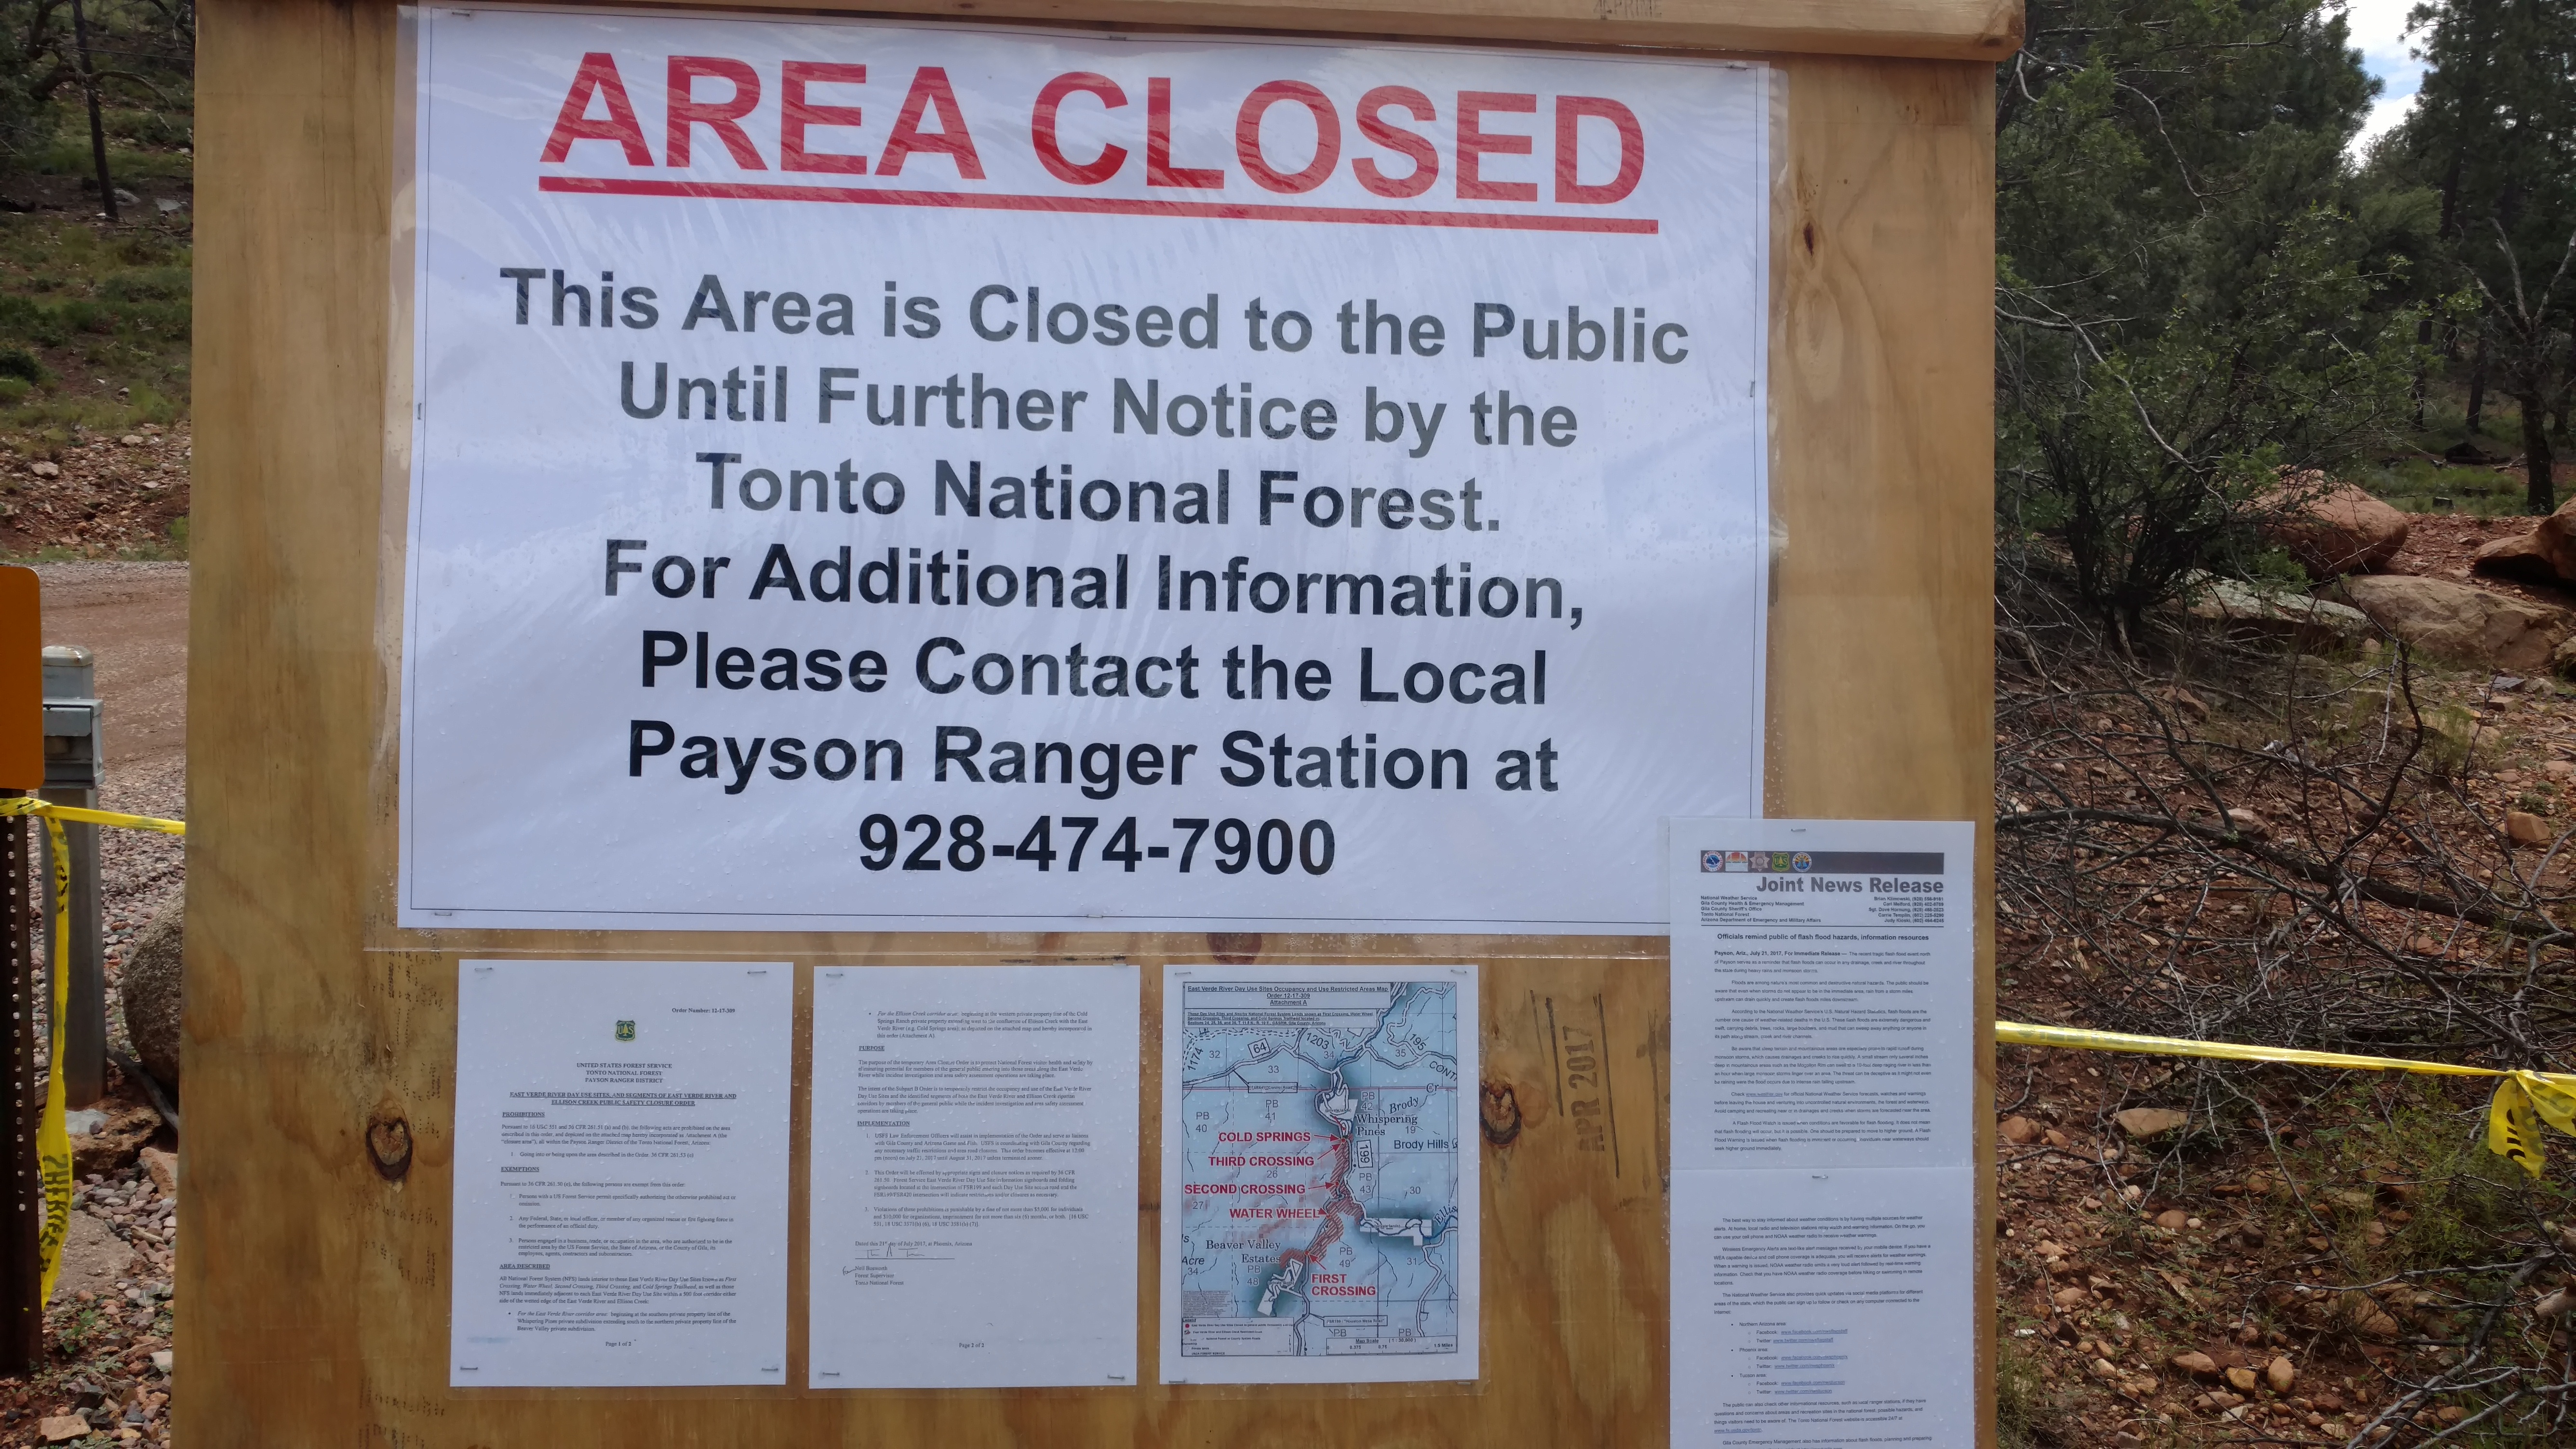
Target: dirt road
{"points": [[134, 618]]}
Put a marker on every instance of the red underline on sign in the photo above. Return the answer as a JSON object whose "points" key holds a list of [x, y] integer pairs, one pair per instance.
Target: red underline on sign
{"points": [[1098, 205]]}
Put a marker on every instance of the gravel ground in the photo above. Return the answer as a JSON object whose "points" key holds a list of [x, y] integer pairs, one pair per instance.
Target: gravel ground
{"points": [[94, 494]]}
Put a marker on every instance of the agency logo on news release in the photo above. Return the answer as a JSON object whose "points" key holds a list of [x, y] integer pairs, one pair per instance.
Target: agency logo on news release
{"points": [[1762, 860]]}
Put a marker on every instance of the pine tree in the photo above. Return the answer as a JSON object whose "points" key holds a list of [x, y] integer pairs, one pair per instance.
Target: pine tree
{"points": [[2494, 131], [2193, 294]]}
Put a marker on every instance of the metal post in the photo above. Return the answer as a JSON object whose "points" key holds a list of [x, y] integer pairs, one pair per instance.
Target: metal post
{"points": [[72, 777], [22, 1317]]}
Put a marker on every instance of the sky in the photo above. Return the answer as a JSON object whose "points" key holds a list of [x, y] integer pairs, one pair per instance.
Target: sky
{"points": [[2379, 33]]}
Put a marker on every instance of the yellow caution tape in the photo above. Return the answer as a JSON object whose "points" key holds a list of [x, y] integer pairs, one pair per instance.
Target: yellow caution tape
{"points": [[2523, 1099], [53, 1142], [53, 1138], [76, 815]]}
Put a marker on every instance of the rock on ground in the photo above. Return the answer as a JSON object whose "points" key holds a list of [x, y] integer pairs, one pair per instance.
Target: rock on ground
{"points": [[2149, 1121], [2334, 528], [153, 979], [2458, 622], [2547, 554], [2247, 611], [94, 1258]]}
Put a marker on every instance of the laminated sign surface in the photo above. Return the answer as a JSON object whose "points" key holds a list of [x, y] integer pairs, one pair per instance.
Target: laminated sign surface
{"points": [[872, 475]]}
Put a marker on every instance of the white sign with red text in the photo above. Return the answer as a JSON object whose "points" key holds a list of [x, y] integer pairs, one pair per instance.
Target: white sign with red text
{"points": [[874, 475]]}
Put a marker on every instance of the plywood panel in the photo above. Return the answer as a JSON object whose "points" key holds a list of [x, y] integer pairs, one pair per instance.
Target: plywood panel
{"points": [[321, 1040], [1983, 30]]}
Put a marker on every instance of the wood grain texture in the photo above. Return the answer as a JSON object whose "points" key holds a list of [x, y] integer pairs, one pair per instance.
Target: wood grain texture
{"points": [[321, 1039], [1881, 689], [1981, 30]]}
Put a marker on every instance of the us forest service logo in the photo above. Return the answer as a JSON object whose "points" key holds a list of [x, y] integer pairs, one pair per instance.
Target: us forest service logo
{"points": [[626, 1031]]}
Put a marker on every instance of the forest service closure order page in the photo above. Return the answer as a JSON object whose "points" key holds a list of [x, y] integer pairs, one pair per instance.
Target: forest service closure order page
{"points": [[1823, 1202], [621, 1173]]}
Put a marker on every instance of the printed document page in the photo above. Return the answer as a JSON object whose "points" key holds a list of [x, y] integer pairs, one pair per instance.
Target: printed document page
{"points": [[621, 1173], [1319, 1174], [1823, 1198], [974, 1179], [1824, 992], [1823, 1307]]}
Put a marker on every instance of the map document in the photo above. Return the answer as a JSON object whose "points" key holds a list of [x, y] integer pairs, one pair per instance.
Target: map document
{"points": [[1319, 1174], [974, 1199]]}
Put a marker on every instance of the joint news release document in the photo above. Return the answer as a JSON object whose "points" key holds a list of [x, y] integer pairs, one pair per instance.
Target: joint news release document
{"points": [[1824, 1020]]}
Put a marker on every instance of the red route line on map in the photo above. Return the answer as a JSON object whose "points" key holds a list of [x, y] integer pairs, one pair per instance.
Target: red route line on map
{"points": [[1098, 205], [1331, 1230]]}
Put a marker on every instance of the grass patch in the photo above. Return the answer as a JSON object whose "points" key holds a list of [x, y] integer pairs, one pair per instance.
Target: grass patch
{"points": [[94, 328], [69, 155], [2428, 485], [2420, 480], [2027, 1415]]}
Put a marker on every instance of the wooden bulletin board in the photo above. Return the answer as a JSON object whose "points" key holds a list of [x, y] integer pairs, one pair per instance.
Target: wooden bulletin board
{"points": [[320, 1037]]}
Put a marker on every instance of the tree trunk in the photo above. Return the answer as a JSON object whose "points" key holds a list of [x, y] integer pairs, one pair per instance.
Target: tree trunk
{"points": [[2567, 380], [97, 132], [2478, 388], [2423, 339], [2541, 496]]}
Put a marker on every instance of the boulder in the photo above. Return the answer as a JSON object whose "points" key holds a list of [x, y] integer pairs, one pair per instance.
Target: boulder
{"points": [[2248, 612], [2546, 554], [2516, 556], [2332, 528], [2461, 623], [151, 982]]}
